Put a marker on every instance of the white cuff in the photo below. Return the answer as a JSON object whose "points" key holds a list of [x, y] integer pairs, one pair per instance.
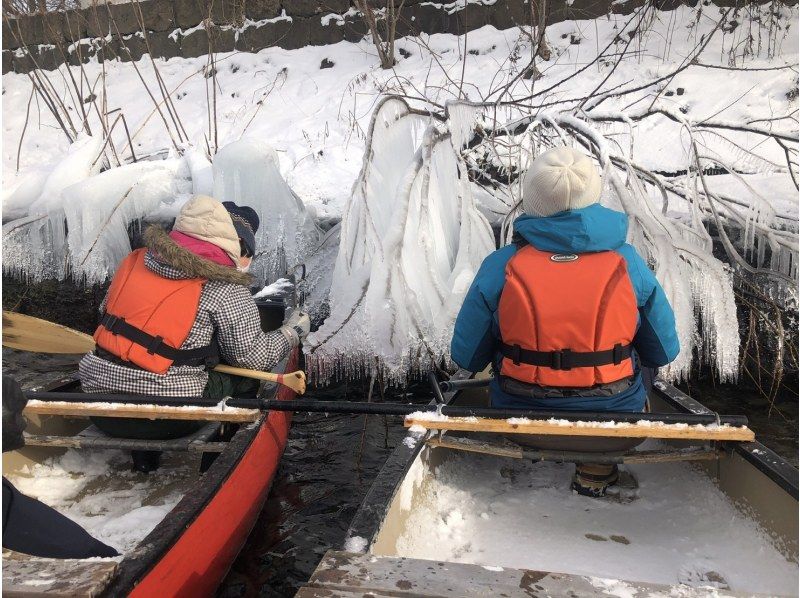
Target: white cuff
{"points": [[291, 335]]}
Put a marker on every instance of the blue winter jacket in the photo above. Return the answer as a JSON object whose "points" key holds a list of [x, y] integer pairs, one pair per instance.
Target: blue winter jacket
{"points": [[477, 331]]}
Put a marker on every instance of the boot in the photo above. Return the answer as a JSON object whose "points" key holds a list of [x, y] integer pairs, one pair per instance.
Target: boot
{"points": [[146, 461], [593, 479]]}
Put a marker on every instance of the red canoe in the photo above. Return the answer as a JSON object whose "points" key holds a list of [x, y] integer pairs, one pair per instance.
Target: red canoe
{"points": [[189, 552]]}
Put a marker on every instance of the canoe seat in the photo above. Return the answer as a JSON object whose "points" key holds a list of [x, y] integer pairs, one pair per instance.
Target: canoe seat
{"points": [[506, 448], [92, 437]]}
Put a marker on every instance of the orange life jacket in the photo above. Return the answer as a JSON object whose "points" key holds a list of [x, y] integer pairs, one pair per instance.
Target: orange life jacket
{"points": [[148, 318], [567, 321]]}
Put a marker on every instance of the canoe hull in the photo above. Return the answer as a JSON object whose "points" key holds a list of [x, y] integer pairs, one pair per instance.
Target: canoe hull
{"points": [[757, 485], [198, 561]]}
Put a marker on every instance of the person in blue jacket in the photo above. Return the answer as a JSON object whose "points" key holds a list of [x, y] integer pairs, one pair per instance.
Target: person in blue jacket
{"points": [[564, 227]]}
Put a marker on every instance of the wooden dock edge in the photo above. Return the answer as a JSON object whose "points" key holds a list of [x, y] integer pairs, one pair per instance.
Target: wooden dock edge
{"points": [[348, 574], [563, 428]]}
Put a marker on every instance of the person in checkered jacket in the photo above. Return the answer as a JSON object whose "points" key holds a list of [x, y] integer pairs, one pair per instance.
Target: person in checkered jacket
{"points": [[176, 308]]}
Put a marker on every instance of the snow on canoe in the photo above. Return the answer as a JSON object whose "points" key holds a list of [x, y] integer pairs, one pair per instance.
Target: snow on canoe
{"points": [[461, 515]]}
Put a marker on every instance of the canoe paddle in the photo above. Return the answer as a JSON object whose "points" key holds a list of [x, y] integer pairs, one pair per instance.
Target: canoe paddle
{"points": [[26, 333]]}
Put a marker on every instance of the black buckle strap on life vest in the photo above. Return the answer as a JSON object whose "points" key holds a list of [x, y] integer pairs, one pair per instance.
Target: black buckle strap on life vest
{"points": [[516, 352], [566, 359], [207, 356]]}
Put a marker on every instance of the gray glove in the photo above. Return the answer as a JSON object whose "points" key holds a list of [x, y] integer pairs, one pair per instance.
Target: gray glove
{"points": [[297, 328]]}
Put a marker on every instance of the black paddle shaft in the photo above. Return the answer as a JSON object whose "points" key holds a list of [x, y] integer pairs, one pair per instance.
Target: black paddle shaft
{"points": [[399, 409], [403, 409]]}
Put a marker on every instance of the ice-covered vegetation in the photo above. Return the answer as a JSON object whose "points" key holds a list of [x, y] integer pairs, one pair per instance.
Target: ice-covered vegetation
{"points": [[690, 114], [411, 240]]}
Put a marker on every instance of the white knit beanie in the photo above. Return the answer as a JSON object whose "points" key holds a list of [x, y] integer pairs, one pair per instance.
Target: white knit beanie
{"points": [[560, 179], [204, 218]]}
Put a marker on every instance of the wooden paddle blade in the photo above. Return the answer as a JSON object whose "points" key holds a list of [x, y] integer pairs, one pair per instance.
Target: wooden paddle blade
{"points": [[26, 333]]}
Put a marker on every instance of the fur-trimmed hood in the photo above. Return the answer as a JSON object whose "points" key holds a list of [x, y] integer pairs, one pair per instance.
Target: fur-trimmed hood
{"points": [[168, 252]]}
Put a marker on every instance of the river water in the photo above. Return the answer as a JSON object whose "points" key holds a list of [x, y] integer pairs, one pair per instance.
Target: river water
{"points": [[330, 462]]}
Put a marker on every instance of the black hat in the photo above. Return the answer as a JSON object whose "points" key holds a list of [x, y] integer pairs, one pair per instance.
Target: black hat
{"points": [[245, 221]]}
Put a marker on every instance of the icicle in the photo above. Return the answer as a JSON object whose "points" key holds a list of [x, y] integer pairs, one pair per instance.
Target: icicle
{"points": [[697, 285], [405, 261], [99, 210], [247, 172], [461, 119], [37, 248]]}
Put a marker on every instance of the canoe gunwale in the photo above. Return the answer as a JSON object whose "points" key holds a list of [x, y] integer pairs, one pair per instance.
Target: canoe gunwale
{"points": [[373, 509], [371, 513], [767, 461]]}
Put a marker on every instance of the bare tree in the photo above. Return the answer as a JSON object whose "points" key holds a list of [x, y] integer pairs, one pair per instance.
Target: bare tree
{"points": [[382, 24]]}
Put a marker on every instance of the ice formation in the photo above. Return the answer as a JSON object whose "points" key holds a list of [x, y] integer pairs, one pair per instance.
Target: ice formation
{"points": [[411, 241], [247, 172], [98, 212], [34, 242], [73, 220]]}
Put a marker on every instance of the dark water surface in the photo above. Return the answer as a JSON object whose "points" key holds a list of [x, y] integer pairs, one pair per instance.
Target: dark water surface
{"points": [[319, 486], [327, 469], [775, 425]]}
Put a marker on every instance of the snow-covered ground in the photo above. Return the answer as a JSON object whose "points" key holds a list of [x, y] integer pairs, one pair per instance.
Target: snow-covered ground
{"points": [[314, 107], [513, 513], [316, 118]]}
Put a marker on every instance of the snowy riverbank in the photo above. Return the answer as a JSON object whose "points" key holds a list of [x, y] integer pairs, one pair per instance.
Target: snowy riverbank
{"points": [[654, 95], [316, 116]]}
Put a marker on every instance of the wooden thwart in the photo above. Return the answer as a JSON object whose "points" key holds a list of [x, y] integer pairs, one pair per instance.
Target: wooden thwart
{"points": [[561, 428], [515, 451], [229, 414]]}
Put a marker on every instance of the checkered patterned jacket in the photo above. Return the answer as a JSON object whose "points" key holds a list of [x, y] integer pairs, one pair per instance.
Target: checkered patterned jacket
{"points": [[226, 307]]}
